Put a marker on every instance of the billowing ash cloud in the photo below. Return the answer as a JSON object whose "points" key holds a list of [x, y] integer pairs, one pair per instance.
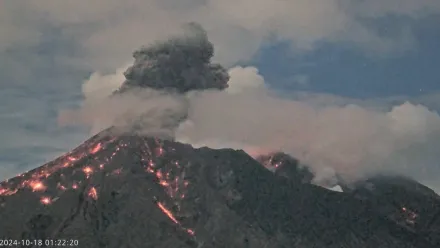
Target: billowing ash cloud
{"points": [[151, 100], [331, 135], [180, 64], [352, 138]]}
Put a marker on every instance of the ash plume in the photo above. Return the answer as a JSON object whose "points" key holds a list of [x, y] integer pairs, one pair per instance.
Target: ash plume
{"points": [[333, 136], [152, 98], [180, 64]]}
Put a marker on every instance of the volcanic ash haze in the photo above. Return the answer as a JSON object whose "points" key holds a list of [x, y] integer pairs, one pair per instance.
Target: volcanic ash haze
{"points": [[173, 81], [163, 193], [181, 64], [151, 99]]}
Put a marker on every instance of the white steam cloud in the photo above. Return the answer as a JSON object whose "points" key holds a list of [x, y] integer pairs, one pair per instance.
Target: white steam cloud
{"points": [[353, 140], [150, 109]]}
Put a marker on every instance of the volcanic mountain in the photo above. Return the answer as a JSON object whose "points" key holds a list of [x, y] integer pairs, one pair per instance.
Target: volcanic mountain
{"points": [[128, 188], [138, 191]]}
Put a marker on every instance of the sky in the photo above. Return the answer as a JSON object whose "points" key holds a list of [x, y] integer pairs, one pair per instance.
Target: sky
{"points": [[381, 51]]}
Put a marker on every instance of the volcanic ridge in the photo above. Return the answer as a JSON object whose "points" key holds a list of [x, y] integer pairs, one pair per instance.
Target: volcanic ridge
{"points": [[130, 189]]}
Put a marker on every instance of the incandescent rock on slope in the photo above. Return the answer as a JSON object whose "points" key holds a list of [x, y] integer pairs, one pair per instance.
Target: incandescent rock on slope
{"points": [[403, 201], [133, 191], [125, 192], [286, 166], [118, 191], [398, 199]]}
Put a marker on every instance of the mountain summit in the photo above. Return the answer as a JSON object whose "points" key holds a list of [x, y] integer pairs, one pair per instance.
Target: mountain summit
{"points": [[128, 186], [135, 191]]}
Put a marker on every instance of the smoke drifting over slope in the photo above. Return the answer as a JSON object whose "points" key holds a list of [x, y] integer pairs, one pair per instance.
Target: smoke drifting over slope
{"points": [[151, 99], [352, 140]]}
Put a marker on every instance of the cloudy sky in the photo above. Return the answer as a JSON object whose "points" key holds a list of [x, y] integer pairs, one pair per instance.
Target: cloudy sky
{"points": [[382, 51]]}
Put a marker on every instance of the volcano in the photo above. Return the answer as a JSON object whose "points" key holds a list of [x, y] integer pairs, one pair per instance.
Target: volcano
{"points": [[122, 189], [137, 191]]}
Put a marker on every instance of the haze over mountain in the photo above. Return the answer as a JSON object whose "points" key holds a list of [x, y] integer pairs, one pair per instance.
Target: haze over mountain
{"points": [[132, 185], [134, 191]]}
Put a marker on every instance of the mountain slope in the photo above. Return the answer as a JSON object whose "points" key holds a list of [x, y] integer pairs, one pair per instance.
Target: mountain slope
{"points": [[405, 202], [134, 191]]}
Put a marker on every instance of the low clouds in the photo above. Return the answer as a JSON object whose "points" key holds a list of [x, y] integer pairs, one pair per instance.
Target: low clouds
{"points": [[244, 79], [107, 31], [353, 138], [103, 33]]}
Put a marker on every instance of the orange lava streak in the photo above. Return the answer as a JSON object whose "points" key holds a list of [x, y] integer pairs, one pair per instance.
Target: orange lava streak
{"points": [[151, 163], [93, 193], [167, 212], [36, 178], [45, 200], [61, 187], [96, 149], [164, 183], [190, 232], [6, 192], [159, 151], [72, 159], [159, 174], [37, 186], [88, 171]]}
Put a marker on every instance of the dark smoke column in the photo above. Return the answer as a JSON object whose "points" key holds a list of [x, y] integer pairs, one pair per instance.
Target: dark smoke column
{"points": [[180, 64], [174, 67]]}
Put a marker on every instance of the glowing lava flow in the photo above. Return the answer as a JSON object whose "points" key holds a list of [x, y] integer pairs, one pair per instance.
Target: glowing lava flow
{"points": [[93, 193], [96, 149], [173, 186], [167, 213], [170, 176], [37, 186], [410, 216], [6, 192], [269, 161], [88, 171], [34, 179], [170, 215], [46, 200]]}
